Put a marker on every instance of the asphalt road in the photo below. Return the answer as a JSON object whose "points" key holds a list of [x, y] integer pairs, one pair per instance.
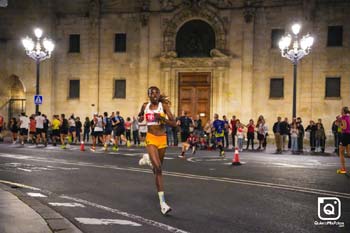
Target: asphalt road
{"points": [[110, 192]]}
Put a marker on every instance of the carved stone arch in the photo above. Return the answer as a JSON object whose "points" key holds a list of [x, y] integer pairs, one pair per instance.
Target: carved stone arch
{"points": [[17, 89], [186, 15]]}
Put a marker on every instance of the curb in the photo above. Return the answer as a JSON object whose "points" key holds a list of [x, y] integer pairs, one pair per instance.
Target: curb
{"points": [[55, 221]]}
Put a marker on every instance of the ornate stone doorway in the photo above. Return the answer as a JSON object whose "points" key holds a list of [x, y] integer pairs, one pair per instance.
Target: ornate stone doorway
{"points": [[194, 94]]}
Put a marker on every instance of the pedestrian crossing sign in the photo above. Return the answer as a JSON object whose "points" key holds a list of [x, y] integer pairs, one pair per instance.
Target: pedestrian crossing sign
{"points": [[38, 99]]}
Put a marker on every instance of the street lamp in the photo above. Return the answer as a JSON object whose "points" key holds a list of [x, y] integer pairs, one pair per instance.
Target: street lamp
{"points": [[298, 50], [39, 51]]}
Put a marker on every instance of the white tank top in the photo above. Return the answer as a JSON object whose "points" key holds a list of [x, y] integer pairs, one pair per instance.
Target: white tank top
{"points": [[150, 119]]}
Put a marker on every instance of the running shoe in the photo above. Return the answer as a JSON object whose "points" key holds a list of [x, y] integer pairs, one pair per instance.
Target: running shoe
{"points": [[63, 147], [105, 147], [93, 149], [341, 171], [115, 148], [128, 143], [164, 208], [222, 153], [181, 156], [145, 160]]}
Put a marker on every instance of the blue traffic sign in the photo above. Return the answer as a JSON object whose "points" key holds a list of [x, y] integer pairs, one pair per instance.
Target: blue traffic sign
{"points": [[38, 99]]}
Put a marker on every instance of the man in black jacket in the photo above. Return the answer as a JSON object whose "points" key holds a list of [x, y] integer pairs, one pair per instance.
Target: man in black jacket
{"points": [[285, 130], [278, 138], [301, 134]]}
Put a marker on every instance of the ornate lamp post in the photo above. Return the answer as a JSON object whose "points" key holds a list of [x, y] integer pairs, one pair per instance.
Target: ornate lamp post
{"points": [[39, 51], [298, 50]]}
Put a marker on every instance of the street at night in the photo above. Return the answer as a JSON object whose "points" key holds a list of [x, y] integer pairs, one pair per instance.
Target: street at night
{"points": [[268, 193]]}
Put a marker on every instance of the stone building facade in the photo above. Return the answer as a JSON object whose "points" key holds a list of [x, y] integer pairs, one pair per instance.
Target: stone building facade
{"points": [[232, 76]]}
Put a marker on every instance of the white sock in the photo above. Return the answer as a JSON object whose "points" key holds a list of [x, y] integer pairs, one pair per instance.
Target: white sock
{"points": [[161, 197]]}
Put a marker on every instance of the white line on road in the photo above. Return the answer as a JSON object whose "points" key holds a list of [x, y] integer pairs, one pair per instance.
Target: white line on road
{"points": [[125, 214], [191, 176], [96, 221], [36, 195], [26, 170], [66, 204]]}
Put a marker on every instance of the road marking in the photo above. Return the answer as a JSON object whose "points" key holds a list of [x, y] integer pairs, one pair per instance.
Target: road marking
{"points": [[96, 221], [66, 204], [191, 176], [64, 168], [36, 195], [288, 165], [26, 170], [125, 214]]}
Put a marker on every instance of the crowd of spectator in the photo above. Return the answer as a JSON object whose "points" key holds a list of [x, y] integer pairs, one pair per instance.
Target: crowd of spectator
{"points": [[288, 135]]}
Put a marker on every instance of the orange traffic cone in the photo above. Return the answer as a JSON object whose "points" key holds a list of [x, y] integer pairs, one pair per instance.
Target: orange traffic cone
{"points": [[82, 146], [235, 160]]}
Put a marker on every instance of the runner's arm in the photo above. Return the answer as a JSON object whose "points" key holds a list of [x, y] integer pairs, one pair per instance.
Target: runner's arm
{"points": [[140, 116], [171, 120]]}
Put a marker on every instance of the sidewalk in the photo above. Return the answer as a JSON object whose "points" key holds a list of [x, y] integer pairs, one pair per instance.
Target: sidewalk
{"points": [[29, 215]]}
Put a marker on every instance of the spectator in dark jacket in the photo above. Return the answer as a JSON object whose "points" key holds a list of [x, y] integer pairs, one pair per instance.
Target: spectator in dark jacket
{"points": [[78, 126], [311, 128], [284, 126], [87, 125], [301, 134], [277, 132], [320, 138], [184, 122]]}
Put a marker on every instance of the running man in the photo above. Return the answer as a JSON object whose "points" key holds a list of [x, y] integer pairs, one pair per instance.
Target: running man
{"points": [[345, 138], [63, 130], [40, 133], [98, 131], [23, 127], [55, 126], [119, 130], [155, 112], [107, 131], [218, 127]]}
